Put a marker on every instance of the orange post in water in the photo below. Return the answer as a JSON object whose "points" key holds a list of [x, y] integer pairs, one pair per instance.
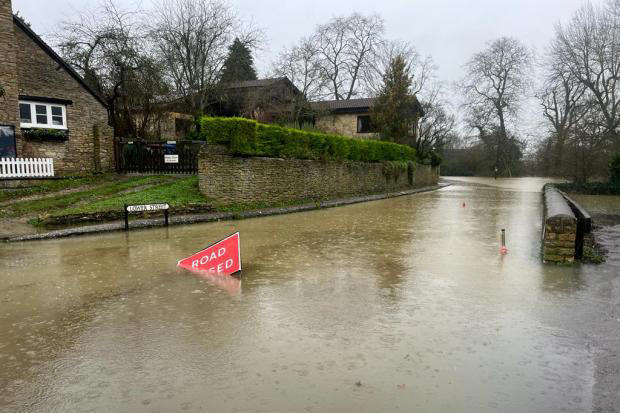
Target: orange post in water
{"points": [[503, 250]]}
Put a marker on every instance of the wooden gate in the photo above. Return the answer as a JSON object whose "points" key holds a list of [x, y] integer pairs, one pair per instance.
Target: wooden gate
{"points": [[150, 157]]}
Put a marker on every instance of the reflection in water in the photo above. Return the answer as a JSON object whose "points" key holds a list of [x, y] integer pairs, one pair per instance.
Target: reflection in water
{"points": [[407, 296], [565, 280], [229, 283]]}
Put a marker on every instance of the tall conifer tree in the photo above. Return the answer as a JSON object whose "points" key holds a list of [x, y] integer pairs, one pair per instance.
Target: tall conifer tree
{"points": [[239, 64], [393, 112]]}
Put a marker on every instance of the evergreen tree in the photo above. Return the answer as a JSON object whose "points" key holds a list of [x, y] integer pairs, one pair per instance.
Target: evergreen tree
{"points": [[393, 113], [239, 64]]}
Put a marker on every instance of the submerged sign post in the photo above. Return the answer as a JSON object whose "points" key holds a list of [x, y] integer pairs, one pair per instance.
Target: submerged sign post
{"points": [[223, 257], [146, 208]]}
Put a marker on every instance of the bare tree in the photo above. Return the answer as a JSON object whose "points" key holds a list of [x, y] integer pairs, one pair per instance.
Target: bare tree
{"points": [[437, 128], [107, 45], [192, 38], [589, 47], [346, 46], [301, 66], [422, 69], [563, 102], [495, 83], [588, 146]]}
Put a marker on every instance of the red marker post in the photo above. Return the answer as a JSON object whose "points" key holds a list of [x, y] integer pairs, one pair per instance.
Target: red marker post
{"points": [[503, 250], [223, 257]]}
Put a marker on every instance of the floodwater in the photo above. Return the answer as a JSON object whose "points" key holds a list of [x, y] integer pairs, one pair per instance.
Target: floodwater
{"points": [[605, 209], [395, 305]]}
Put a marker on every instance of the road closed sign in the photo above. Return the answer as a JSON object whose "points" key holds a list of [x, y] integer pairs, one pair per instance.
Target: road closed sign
{"points": [[223, 257]]}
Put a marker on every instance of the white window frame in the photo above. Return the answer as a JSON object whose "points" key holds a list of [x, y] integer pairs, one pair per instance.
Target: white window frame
{"points": [[49, 124]]}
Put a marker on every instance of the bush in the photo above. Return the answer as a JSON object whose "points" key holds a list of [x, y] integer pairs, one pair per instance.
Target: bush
{"points": [[45, 134], [238, 133], [249, 138], [614, 169]]}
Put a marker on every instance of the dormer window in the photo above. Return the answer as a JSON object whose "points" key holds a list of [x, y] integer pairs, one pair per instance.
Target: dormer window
{"points": [[42, 115]]}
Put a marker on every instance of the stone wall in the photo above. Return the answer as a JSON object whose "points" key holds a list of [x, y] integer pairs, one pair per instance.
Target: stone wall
{"points": [[40, 75], [237, 180], [342, 124], [559, 228]]}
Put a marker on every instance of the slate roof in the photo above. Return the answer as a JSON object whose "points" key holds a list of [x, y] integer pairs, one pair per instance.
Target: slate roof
{"points": [[261, 83], [35, 37], [255, 83], [361, 105], [344, 105]]}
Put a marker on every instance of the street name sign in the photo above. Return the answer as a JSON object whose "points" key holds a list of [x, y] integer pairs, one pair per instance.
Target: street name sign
{"points": [[171, 158], [147, 207], [161, 206], [223, 257]]}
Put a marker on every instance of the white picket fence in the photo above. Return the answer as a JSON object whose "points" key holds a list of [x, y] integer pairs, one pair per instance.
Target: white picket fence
{"points": [[26, 167]]}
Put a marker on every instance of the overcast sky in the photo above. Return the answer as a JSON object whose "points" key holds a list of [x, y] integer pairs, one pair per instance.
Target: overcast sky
{"points": [[448, 30]]}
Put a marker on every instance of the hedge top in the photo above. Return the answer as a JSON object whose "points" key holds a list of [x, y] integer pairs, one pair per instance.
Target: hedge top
{"points": [[246, 137]]}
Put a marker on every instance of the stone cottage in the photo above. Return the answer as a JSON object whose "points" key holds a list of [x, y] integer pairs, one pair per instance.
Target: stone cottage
{"points": [[352, 117], [47, 109]]}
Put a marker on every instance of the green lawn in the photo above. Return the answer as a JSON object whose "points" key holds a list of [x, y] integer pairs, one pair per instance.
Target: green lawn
{"points": [[180, 192], [53, 185], [107, 197]]}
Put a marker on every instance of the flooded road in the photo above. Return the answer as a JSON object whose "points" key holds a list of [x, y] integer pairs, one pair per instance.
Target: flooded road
{"points": [[396, 305]]}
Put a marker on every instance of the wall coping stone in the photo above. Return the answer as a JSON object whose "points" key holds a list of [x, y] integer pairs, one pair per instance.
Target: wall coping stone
{"points": [[556, 206]]}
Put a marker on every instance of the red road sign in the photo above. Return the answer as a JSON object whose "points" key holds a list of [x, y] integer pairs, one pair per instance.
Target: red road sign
{"points": [[223, 257]]}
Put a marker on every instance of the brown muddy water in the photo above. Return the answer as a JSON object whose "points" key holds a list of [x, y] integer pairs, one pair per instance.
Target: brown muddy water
{"points": [[396, 305]]}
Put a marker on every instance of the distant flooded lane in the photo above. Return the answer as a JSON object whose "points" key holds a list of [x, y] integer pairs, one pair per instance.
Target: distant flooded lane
{"points": [[396, 305]]}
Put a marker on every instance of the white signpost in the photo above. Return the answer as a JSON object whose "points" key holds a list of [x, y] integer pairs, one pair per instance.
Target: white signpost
{"points": [[171, 158]]}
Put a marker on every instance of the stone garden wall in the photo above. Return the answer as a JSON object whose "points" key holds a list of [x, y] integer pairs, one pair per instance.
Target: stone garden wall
{"points": [[245, 180]]}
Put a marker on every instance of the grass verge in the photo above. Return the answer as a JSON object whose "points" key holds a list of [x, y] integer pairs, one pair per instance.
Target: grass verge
{"points": [[53, 185], [180, 192], [52, 204]]}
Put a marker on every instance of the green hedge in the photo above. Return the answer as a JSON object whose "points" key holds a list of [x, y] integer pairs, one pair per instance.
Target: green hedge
{"points": [[249, 138]]}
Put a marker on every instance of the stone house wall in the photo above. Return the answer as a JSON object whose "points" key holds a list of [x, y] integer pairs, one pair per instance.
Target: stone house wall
{"points": [[342, 124], [27, 69], [346, 124], [9, 114], [243, 180], [39, 75]]}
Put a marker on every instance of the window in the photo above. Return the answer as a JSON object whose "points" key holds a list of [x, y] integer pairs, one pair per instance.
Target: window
{"points": [[57, 117], [25, 113], [42, 115], [363, 124]]}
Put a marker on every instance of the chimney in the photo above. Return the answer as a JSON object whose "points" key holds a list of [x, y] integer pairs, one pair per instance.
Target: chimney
{"points": [[9, 103]]}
